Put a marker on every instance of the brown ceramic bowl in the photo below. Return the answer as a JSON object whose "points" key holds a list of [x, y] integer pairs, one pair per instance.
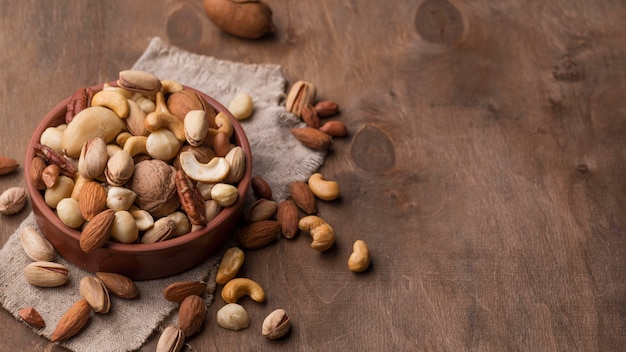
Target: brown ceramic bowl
{"points": [[139, 261]]}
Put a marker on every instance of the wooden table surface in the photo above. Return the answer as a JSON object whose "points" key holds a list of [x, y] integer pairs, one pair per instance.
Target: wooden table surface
{"points": [[484, 167]]}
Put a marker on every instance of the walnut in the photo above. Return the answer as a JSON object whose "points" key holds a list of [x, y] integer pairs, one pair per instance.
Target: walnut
{"points": [[154, 182]]}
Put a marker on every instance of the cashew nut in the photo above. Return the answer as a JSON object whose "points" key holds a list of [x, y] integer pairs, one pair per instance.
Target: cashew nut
{"points": [[136, 145], [214, 171], [157, 120], [126, 93], [239, 287], [170, 86], [229, 266], [122, 138], [112, 100], [323, 189], [323, 234], [223, 123], [241, 106], [360, 258]]}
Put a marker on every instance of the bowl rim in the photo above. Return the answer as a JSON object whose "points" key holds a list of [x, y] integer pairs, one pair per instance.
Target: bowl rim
{"points": [[137, 248]]}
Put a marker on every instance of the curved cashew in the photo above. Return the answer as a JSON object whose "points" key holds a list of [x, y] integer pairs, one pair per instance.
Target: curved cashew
{"points": [[169, 86], [360, 258], [229, 266], [323, 235], [223, 123], [239, 287], [214, 171], [122, 137], [323, 189], [136, 145], [113, 100], [126, 93], [160, 105], [157, 120]]}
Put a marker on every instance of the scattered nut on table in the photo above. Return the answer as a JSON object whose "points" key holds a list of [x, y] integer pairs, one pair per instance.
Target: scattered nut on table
{"points": [[360, 258], [233, 316], [276, 324]]}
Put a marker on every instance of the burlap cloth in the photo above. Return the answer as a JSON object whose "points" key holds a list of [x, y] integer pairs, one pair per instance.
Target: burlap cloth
{"points": [[277, 157]]}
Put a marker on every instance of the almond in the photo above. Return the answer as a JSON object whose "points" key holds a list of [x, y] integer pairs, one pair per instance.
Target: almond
{"points": [[37, 165], [262, 209], [261, 188], [191, 315], [288, 217], [258, 234], [312, 138], [119, 285], [178, 291], [303, 197], [334, 128], [32, 317], [326, 108], [7, 165], [309, 116], [96, 233], [72, 321], [92, 199]]}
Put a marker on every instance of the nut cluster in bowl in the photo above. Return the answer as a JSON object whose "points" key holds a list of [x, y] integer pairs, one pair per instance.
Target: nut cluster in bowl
{"points": [[140, 160]]}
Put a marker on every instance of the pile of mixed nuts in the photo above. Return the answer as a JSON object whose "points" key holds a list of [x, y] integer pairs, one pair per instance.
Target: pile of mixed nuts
{"points": [[155, 135], [144, 160]]}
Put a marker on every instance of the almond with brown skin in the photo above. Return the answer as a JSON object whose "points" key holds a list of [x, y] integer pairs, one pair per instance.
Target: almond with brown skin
{"points": [[261, 188], [72, 321], [334, 128], [288, 217], [312, 138], [32, 317], [7, 165], [37, 165], [258, 234], [119, 285], [191, 314], [92, 199], [96, 233], [178, 291], [326, 108], [303, 197], [310, 117]]}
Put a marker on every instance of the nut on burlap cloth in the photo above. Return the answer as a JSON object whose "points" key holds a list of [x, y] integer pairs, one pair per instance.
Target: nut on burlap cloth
{"points": [[277, 157]]}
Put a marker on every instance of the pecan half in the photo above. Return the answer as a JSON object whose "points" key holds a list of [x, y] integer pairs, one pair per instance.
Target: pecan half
{"points": [[190, 199], [77, 102], [54, 157]]}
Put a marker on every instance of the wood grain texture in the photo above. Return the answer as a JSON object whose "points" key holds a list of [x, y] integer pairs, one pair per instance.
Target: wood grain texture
{"points": [[484, 166]]}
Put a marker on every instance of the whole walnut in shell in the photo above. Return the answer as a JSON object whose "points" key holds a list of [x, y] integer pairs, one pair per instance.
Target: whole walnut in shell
{"points": [[154, 183]]}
